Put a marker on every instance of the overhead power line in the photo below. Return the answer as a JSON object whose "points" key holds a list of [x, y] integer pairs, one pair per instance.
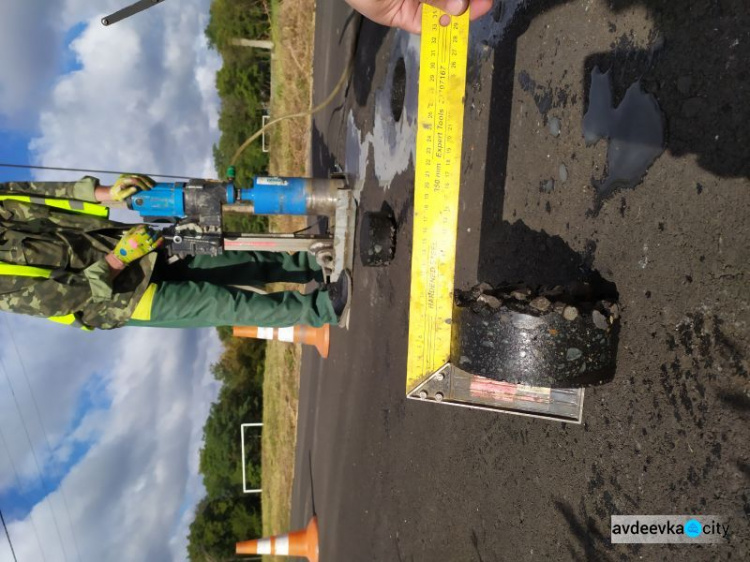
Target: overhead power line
{"points": [[87, 171], [7, 534], [18, 483], [12, 335], [36, 459]]}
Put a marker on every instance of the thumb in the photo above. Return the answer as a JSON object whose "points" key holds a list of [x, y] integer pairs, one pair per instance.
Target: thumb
{"points": [[120, 192], [452, 7]]}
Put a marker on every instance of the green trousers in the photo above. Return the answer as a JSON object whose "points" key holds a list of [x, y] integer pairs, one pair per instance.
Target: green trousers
{"points": [[200, 292]]}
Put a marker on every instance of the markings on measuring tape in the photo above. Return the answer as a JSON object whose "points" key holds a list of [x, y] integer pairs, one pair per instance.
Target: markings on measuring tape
{"points": [[442, 85]]}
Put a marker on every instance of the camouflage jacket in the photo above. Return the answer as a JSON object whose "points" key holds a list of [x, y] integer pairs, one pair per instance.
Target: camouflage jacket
{"points": [[74, 246]]}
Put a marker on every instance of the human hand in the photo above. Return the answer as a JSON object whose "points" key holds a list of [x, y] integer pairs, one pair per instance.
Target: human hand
{"points": [[407, 14], [136, 243], [130, 184]]}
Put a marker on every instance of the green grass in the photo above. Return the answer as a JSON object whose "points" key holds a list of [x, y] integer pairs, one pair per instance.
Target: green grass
{"points": [[281, 392], [251, 82], [292, 26]]}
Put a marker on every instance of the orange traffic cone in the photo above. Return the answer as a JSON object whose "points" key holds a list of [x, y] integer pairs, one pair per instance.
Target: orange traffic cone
{"points": [[319, 337], [299, 543]]}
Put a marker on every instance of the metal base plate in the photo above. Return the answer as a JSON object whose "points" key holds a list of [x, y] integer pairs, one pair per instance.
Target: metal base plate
{"points": [[452, 386], [343, 232]]}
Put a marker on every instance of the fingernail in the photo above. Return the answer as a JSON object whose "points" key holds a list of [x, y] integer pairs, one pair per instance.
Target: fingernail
{"points": [[456, 7]]}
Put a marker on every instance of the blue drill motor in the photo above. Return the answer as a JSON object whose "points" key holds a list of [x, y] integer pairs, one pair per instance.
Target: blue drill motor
{"points": [[201, 198], [195, 207]]}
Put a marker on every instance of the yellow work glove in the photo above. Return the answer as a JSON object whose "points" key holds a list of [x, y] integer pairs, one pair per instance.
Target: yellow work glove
{"points": [[136, 243], [130, 184]]}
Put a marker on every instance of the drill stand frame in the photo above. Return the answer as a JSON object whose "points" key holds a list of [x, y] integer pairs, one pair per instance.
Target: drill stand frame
{"points": [[334, 251]]}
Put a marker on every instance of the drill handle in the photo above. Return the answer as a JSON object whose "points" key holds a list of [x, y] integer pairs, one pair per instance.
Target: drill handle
{"points": [[129, 11]]}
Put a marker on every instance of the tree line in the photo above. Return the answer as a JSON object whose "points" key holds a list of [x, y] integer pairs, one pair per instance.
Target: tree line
{"points": [[227, 515]]}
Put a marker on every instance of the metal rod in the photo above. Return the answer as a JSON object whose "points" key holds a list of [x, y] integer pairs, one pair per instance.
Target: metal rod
{"points": [[247, 209], [129, 11], [86, 171]]}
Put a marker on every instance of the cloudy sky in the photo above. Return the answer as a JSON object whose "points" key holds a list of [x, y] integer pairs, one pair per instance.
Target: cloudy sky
{"points": [[99, 433]]}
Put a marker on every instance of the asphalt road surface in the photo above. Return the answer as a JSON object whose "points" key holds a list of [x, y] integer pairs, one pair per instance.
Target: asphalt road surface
{"points": [[397, 481]]}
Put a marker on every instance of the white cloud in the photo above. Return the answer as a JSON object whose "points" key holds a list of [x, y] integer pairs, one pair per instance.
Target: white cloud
{"points": [[29, 54], [126, 495], [58, 361], [31, 36], [144, 99]]}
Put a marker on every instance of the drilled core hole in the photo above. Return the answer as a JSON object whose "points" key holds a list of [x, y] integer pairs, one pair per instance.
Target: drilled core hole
{"points": [[398, 89]]}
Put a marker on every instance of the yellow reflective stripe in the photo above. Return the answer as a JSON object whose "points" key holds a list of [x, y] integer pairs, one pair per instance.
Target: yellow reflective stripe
{"points": [[72, 205], [29, 271], [24, 270], [79, 207], [70, 320], [143, 310]]}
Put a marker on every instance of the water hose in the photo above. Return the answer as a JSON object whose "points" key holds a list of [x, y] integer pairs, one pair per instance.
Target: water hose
{"points": [[344, 78]]}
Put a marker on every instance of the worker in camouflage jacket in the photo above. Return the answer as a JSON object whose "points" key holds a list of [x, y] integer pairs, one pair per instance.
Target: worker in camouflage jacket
{"points": [[61, 258]]}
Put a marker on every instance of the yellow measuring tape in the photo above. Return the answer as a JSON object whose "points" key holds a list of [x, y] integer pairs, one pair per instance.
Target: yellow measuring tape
{"points": [[442, 86]]}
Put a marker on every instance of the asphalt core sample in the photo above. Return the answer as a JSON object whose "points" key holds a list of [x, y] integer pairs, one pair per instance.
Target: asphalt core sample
{"points": [[635, 130], [553, 337]]}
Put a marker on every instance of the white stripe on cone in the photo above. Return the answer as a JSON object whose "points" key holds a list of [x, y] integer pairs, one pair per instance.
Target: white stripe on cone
{"points": [[264, 546], [265, 333], [282, 545], [286, 334]]}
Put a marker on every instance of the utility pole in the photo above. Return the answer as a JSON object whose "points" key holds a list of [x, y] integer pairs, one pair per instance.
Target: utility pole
{"points": [[254, 43]]}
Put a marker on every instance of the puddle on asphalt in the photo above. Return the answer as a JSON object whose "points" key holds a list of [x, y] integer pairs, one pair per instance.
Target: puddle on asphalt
{"points": [[392, 143], [635, 130]]}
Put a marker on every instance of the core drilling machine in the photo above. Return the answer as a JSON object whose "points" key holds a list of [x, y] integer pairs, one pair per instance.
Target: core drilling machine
{"points": [[193, 213]]}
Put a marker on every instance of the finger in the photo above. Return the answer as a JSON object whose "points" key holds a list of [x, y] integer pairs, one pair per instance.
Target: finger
{"points": [[123, 194], [410, 18], [452, 7], [138, 182], [154, 240], [124, 179], [144, 182], [479, 8]]}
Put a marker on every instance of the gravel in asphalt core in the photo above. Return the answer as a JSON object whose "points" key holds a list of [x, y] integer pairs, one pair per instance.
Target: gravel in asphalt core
{"points": [[397, 481]]}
